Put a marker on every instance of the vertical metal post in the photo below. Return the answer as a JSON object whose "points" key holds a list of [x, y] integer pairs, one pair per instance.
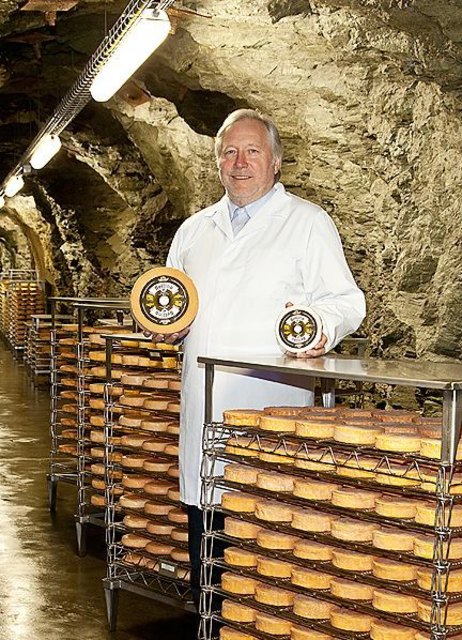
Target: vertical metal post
{"points": [[328, 392], [208, 407]]}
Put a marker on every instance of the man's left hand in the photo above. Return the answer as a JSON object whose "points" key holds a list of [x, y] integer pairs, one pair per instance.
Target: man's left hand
{"points": [[315, 352]]}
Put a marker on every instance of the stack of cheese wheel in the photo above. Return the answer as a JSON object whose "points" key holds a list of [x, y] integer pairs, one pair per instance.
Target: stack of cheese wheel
{"points": [[64, 404], [25, 298]]}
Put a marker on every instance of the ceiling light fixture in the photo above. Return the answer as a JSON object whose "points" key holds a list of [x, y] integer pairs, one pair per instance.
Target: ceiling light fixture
{"points": [[134, 48], [48, 147], [13, 186]]}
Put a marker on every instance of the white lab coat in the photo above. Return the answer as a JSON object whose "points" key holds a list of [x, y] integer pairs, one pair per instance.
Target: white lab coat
{"points": [[289, 251]]}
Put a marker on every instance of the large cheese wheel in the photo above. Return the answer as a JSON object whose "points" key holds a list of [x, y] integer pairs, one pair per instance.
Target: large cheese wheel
{"points": [[237, 612], [134, 441], [241, 474], [390, 570], [350, 620], [179, 535], [310, 578], [156, 466], [177, 515], [157, 487], [383, 630], [350, 434], [425, 514], [174, 493], [394, 602], [312, 608], [309, 550], [314, 428], [313, 490], [315, 461], [273, 568], [132, 501], [399, 442], [311, 520], [453, 616], [235, 556], [394, 539], [241, 529], [158, 508], [272, 481], [267, 594], [279, 454], [238, 584], [159, 528], [273, 511], [158, 425], [290, 412], [158, 403], [360, 468], [353, 498], [354, 530], [238, 501], [133, 481], [398, 476], [159, 549], [351, 561], [349, 590], [395, 507], [134, 541], [275, 540], [431, 448], [279, 424], [424, 579], [271, 624], [135, 522], [304, 633], [153, 445], [242, 446], [242, 417]]}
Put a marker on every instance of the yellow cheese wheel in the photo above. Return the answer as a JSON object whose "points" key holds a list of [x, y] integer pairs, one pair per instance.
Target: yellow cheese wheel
{"points": [[158, 425], [431, 448], [310, 578], [349, 590], [313, 490], [242, 446], [278, 453], [275, 540], [350, 434], [309, 550], [383, 630], [394, 602], [351, 560], [228, 633], [348, 529], [311, 520], [312, 608], [273, 511], [235, 556], [353, 498], [242, 417], [134, 541], [398, 476], [237, 612], [240, 473], [164, 300], [425, 514], [395, 507], [132, 501], [350, 620], [158, 508], [312, 428], [271, 624], [267, 594], [273, 568], [279, 424], [453, 616], [238, 501], [241, 529], [159, 528], [315, 461], [272, 481], [454, 584], [390, 570], [399, 442], [304, 633], [238, 584], [134, 481], [361, 468], [394, 539]]}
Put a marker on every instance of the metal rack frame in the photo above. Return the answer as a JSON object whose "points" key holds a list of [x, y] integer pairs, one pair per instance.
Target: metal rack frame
{"points": [[444, 377]]}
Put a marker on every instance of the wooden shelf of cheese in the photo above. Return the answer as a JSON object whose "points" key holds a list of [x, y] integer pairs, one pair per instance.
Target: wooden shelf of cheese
{"points": [[20, 300], [143, 428], [330, 514]]}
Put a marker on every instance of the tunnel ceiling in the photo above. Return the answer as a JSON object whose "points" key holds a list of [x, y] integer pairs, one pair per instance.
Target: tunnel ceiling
{"points": [[367, 95]]}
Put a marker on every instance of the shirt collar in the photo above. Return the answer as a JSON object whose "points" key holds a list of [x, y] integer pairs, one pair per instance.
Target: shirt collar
{"points": [[253, 207]]}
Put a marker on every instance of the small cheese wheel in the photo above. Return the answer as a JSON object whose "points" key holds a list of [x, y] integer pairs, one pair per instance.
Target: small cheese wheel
{"points": [[350, 434], [129, 379], [238, 501], [241, 474], [398, 476], [157, 404], [383, 630], [177, 515], [395, 602], [312, 428], [159, 549], [267, 594], [350, 620], [156, 382], [242, 446], [241, 529], [237, 612], [154, 445], [132, 401], [98, 501], [240, 557], [309, 550], [174, 428], [425, 514], [174, 406], [275, 540], [348, 529], [134, 541], [157, 487], [174, 494], [272, 481], [174, 385], [135, 481], [353, 498], [238, 584], [131, 420], [242, 417], [349, 590], [272, 625], [393, 539], [315, 461], [310, 578], [281, 454], [159, 528], [273, 511], [362, 468], [351, 561], [395, 507], [158, 425], [171, 450], [304, 633], [391, 570], [431, 448], [454, 584], [279, 424], [273, 568], [311, 520], [174, 471], [132, 501], [228, 633], [312, 608], [157, 508], [399, 442], [156, 466], [134, 441], [312, 490]]}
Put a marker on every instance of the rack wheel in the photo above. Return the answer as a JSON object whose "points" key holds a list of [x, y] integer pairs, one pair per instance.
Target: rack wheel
{"points": [[52, 493], [111, 595], [81, 534]]}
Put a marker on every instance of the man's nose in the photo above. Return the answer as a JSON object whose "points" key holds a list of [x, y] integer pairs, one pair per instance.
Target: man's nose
{"points": [[241, 159]]}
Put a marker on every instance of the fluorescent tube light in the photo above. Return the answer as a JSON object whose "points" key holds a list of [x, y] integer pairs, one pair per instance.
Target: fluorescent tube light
{"points": [[13, 186], [48, 147], [134, 48], [2, 201]]}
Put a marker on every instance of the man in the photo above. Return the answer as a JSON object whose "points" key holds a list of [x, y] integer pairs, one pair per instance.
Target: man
{"points": [[250, 254]]}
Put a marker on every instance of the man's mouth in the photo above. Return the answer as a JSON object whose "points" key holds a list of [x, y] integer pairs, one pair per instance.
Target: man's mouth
{"points": [[241, 177]]}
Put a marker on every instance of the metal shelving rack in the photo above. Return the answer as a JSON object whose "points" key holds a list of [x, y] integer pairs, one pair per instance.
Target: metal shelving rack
{"points": [[159, 578], [447, 379]]}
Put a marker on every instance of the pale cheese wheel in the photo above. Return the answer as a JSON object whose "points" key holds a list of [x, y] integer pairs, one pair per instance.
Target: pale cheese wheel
{"points": [[157, 487], [133, 461], [353, 530], [237, 612], [98, 501], [362, 468], [454, 584], [153, 445], [283, 411], [278, 424], [134, 541], [157, 508], [275, 540], [315, 461], [383, 630], [431, 448], [309, 550], [241, 529], [353, 498], [133, 380], [97, 421], [228, 633], [349, 434], [174, 471], [177, 515], [132, 400], [240, 557], [267, 594], [242, 446], [157, 404], [351, 560], [171, 450], [135, 481], [312, 428], [238, 584], [390, 570], [279, 454], [159, 528], [158, 382], [174, 428], [174, 385], [174, 406], [155, 424], [426, 513], [156, 466], [132, 501], [398, 476], [273, 568], [174, 494], [394, 602], [350, 620], [271, 624], [311, 520], [304, 633], [313, 490], [312, 608], [349, 590], [395, 507], [310, 578], [393, 539], [238, 501], [398, 442], [133, 440], [272, 481], [159, 549], [273, 511], [242, 417], [135, 522], [131, 420]]}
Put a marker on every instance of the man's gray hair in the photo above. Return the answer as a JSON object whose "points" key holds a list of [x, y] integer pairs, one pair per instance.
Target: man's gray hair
{"points": [[250, 114]]}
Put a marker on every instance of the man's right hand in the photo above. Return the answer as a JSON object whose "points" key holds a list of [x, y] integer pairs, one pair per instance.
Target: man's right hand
{"points": [[171, 338]]}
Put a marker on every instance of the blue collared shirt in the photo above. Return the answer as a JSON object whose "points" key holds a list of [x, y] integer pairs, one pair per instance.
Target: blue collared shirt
{"points": [[253, 207]]}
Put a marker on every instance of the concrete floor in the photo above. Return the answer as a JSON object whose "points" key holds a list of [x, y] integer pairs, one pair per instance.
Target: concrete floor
{"points": [[46, 591]]}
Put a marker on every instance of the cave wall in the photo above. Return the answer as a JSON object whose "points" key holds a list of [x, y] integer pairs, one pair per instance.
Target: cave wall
{"points": [[366, 94]]}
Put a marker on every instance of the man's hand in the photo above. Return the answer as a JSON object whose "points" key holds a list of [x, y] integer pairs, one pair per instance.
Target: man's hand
{"points": [[315, 352], [171, 338]]}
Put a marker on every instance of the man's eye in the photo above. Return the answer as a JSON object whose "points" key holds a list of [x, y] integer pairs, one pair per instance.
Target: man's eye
{"points": [[230, 152], [253, 151]]}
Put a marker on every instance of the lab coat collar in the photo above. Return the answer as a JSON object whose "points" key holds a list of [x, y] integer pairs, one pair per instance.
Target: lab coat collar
{"points": [[273, 208]]}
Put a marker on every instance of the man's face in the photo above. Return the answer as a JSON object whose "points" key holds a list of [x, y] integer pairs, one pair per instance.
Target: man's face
{"points": [[246, 165]]}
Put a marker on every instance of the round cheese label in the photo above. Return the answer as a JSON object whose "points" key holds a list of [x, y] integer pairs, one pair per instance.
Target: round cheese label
{"points": [[164, 300], [298, 329]]}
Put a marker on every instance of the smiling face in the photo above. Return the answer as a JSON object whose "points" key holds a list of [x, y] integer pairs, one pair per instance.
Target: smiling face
{"points": [[246, 164]]}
